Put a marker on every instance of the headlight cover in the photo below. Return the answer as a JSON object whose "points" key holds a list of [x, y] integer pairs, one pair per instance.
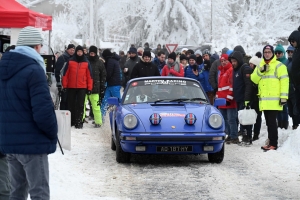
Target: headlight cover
{"points": [[215, 121], [130, 121]]}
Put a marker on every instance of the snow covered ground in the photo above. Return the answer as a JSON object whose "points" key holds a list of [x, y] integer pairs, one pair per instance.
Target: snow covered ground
{"points": [[89, 171]]}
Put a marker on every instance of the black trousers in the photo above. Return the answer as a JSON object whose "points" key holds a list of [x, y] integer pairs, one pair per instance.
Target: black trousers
{"points": [[257, 125], [270, 116], [63, 101], [76, 98]]}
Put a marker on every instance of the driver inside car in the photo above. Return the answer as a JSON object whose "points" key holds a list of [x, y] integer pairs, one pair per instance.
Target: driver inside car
{"points": [[145, 94], [178, 92]]}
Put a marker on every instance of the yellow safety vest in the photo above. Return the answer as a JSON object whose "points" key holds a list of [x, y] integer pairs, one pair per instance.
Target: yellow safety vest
{"points": [[272, 85]]}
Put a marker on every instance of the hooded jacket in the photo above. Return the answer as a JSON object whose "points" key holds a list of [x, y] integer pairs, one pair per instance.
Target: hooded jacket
{"points": [[99, 75], [295, 69], [144, 69], [113, 71], [130, 63], [242, 85], [225, 87], [64, 58], [283, 59], [246, 58], [27, 119]]}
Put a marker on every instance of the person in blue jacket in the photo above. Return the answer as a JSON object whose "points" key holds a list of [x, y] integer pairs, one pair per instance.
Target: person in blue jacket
{"points": [[28, 126], [193, 70], [204, 76]]}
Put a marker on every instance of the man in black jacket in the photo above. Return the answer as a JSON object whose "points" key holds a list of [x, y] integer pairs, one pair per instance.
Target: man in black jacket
{"points": [[145, 67], [99, 79], [294, 40], [113, 78], [130, 63], [61, 62], [242, 89]]}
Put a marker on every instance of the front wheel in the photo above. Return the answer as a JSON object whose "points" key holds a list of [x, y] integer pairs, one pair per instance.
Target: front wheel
{"points": [[121, 156], [112, 144], [216, 157]]}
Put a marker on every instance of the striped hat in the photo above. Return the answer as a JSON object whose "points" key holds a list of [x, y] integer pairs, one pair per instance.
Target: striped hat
{"points": [[29, 36]]}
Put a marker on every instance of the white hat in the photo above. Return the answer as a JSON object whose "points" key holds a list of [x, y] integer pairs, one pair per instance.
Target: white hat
{"points": [[29, 36], [255, 60], [184, 49], [198, 52]]}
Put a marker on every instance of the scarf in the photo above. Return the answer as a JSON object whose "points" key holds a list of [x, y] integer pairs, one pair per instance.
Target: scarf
{"points": [[176, 67], [30, 52]]}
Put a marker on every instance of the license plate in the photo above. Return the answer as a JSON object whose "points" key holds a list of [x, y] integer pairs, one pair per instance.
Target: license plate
{"points": [[174, 148]]}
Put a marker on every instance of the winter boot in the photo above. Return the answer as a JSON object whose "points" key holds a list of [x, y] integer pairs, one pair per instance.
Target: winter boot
{"points": [[255, 136], [97, 126], [285, 124], [295, 127], [246, 141]]}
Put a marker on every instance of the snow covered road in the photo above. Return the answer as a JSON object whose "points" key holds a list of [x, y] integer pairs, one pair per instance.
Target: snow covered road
{"points": [[90, 171]]}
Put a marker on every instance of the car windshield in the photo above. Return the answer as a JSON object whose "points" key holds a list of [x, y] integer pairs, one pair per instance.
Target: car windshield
{"points": [[163, 90]]}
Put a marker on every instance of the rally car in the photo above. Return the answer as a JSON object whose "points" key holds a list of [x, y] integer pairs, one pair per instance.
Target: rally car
{"points": [[166, 115]]}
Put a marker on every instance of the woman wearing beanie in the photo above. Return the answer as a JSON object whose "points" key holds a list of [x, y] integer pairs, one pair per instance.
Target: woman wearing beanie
{"points": [[77, 80], [172, 68], [183, 60], [145, 67], [273, 85], [253, 62]]}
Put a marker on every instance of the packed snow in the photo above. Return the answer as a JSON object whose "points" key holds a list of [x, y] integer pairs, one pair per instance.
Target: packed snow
{"points": [[90, 171]]}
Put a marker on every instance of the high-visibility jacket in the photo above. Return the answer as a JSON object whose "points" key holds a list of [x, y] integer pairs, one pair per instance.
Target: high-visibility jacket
{"points": [[273, 85]]}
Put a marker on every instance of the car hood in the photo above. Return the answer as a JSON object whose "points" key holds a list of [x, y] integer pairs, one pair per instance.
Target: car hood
{"points": [[172, 116]]}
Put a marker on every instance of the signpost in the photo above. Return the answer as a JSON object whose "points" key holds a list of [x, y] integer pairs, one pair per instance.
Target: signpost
{"points": [[171, 47]]}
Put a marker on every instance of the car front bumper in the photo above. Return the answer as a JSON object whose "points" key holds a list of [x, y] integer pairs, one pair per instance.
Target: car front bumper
{"points": [[172, 143]]}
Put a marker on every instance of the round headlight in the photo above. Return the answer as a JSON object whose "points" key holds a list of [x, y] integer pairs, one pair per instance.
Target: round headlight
{"points": [[130, 121], [215, 121]]}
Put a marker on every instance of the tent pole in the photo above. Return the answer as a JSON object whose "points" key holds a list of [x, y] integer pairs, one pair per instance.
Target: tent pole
{"points": [[49, 42]]}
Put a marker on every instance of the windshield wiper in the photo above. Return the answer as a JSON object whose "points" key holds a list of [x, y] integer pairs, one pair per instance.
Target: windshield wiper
{"points": [[160, 100], [198, 99], [179, 100]]}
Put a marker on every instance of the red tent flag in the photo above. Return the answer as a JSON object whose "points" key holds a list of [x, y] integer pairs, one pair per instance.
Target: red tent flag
{"points": [[15, 15]]}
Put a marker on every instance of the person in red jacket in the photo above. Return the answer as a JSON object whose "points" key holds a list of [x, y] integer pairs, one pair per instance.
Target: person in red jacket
{"points": [[77, 80], [225, 90], [173, 67]]}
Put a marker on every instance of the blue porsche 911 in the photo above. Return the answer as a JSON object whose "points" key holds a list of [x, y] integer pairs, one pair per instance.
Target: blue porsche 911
{"points": [[166, 115]]}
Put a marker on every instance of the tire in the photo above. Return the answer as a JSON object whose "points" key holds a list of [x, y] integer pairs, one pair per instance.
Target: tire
{"points": [[217, 157], [121, 156], [112, 144]]}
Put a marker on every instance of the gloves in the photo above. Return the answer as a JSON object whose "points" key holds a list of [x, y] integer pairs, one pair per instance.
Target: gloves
{"points": [[282, 102], [264, 68], [89, 92], [58, 85], [227, 103], [172, 71]]}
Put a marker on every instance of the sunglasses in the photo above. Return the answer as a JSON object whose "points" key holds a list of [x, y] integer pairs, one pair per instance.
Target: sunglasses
{"points": [[288, 51], [292, 41], [278, 52]]}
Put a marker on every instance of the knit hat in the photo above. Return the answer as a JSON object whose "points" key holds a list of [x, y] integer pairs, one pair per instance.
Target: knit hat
{"points": [[198, 52], [146, 53], [182, 57], [224, 57], [106, 53], [224, 50], [255, 60], [269, 47], [93, 49], [71, 46], [191, 51], [172, 56], [290, 48], [78, 48], [228, 52], [258, 54], [193, 57], [29, 36], [280, 48], [184, 49], [132, 50]]}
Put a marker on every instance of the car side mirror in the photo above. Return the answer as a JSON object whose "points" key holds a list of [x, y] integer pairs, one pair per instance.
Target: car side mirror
{"points": [[220, 102], [113, 101]]}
